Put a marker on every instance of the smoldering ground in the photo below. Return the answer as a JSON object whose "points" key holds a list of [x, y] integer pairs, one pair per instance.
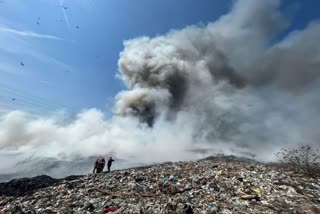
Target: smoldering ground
{"points": [[226, 87]]}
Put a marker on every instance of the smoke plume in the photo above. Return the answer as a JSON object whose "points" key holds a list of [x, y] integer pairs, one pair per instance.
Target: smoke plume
{"points": [[226, 87]]}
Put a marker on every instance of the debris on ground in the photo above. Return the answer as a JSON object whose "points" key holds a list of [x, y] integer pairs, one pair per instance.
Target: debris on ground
{"points": [[216, 185]]}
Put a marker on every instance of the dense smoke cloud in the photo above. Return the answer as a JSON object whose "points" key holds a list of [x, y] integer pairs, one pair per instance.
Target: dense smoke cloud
{"points": [[224, 77], [222, 88]]}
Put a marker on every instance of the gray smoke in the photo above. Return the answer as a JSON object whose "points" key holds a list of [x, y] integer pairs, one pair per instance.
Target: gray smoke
{"points": [[174, 65], [226, 87], [227, 79]]}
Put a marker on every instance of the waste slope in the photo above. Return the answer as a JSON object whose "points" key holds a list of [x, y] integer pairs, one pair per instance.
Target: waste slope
{"points": [[214, 185]]}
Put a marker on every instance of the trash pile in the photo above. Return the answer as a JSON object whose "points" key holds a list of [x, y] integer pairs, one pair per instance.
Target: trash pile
{"points": [[214, 185]]}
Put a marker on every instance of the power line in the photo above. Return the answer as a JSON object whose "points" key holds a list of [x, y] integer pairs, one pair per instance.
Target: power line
{"points": [[15, 97]]}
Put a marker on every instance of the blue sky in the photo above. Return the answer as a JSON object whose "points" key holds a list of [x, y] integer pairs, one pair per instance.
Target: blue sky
{"points": [[69, 49]]}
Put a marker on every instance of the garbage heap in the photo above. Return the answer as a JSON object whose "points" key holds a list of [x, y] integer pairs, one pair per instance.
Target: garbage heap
{"points": [[214, 185]]}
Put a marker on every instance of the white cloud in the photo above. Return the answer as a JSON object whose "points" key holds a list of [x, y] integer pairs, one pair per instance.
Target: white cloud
{"points": [[27, 33]]}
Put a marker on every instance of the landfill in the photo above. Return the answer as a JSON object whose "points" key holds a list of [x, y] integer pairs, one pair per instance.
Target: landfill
{"points": [[213, 185]]}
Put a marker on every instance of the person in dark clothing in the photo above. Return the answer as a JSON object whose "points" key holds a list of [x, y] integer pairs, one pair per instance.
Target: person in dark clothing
{"points": [[99, 165], [110, 163]]}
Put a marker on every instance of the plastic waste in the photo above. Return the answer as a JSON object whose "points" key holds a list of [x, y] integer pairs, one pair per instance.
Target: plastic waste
{"points": [[109, 210]]}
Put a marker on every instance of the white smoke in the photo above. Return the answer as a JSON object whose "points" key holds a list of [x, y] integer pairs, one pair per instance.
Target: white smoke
{"points": [[222, 88]]}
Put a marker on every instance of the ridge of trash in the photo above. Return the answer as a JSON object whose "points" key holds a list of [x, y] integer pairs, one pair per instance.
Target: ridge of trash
{"points": [[219, 184]]}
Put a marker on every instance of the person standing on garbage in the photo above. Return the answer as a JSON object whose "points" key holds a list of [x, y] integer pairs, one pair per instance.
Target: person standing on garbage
{"points": [[99, 165], [110, 163]]}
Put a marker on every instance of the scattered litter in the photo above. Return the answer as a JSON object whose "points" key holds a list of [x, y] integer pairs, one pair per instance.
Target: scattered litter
{"points": [[206, 186], [109, 210]]}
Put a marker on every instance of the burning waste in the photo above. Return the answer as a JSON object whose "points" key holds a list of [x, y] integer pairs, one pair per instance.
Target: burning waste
{"points": [[226, 87], [233, 87]]}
